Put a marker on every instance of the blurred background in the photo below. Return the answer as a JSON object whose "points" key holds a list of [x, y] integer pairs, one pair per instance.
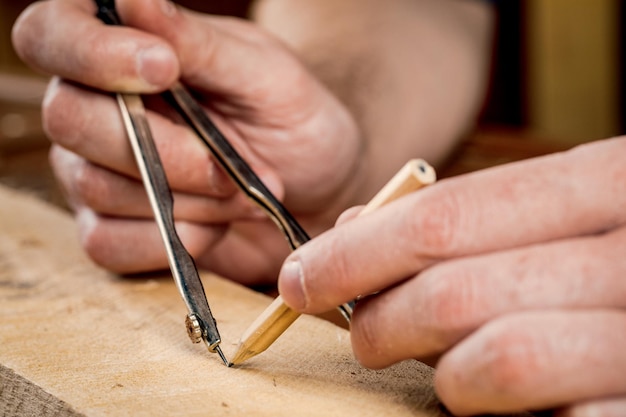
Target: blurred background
{"points": [[558, 79]]}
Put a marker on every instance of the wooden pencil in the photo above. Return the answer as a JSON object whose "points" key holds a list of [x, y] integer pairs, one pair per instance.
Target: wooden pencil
{"points": [[276, 318]]}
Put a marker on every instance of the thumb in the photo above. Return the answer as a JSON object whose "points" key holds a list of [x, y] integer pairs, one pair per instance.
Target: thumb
{"points": [[224, 55]]}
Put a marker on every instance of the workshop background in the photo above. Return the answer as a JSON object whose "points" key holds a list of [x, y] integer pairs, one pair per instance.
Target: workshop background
{"points": [[559, 79]]}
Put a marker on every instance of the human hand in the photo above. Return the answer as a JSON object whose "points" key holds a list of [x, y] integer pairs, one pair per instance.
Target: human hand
{"points": [[298, 137], [510, 280]]}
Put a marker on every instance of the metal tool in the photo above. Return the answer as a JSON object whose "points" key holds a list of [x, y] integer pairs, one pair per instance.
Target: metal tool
{"points": [[200, 322], [201, 325], [239, 170]]}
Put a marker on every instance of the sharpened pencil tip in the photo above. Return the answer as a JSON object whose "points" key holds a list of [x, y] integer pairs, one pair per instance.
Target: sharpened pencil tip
{"points": [[242, 355]]}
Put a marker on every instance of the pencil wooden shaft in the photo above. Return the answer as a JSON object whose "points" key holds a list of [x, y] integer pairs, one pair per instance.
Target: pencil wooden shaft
{"points": [[278, 317]]}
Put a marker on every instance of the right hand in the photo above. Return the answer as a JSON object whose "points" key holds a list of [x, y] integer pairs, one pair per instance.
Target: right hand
{"points": [[296, 135], [507, 279]]}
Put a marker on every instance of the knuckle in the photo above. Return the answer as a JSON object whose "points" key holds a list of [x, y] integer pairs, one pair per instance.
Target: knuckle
{"points": [[195, 68], [330, 284], [451, 304], [610, 407], [64, 165], [93, 238], [58, 118], [342, 265], [25, 30], [510, 360], [89, 186], [366, 340], [198, 239], [50, 109], [57, 158], [435, 230]]}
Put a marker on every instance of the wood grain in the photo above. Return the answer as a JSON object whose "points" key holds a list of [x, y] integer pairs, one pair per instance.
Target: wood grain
{"points": [[77, 340]]}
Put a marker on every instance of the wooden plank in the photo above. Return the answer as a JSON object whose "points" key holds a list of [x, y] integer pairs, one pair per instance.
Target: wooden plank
{"points": [[77, 340]]}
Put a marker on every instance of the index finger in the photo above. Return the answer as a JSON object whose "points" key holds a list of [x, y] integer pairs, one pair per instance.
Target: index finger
{"points": [[66, 38], [554, 197]]}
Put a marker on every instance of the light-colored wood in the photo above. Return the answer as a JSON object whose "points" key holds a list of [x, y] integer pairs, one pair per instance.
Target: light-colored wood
{"points": [[77, 340], [276, 318], [573, 71], [264, 330]]}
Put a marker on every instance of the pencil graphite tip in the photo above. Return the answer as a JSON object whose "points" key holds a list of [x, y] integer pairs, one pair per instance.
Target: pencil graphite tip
{"points": [[242, 355]]}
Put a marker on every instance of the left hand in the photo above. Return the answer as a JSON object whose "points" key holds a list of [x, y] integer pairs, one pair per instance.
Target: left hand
{"points": [[512, 280], [295, 134]]}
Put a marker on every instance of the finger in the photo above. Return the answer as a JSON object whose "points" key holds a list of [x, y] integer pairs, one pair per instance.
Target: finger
{"points": [[250, 253], [250, 75], [66, 38], [427, 315], [90, 125], [536, 360], [222, 55], [110, 194], [270, 98], [534, 201], [606, 407], [132, 246], [348, 215]]}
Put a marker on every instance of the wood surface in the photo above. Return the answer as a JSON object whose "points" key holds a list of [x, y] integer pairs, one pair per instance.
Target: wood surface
{"points": [[77, 340]]}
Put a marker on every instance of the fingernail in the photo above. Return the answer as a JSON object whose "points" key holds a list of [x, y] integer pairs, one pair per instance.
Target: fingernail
{"points": [[156, 65], [292, 288], [51, 91], [87, 222]]}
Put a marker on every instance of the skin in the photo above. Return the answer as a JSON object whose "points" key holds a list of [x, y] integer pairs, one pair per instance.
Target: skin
{"points": [[277, 89], [510, 281], [506, 280]]}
